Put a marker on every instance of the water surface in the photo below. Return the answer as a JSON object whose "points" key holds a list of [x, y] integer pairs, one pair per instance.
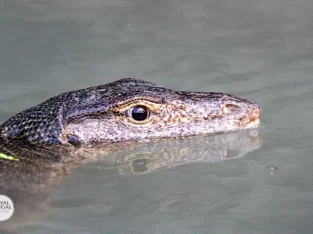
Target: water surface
{"points": [[260, 50]]}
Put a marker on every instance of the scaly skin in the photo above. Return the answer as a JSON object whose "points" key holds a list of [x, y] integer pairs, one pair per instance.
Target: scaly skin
{"points": [[102, 114]]}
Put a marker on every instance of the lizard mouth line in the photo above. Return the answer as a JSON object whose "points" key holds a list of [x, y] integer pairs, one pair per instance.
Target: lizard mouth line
{"points": [[253, 123]]}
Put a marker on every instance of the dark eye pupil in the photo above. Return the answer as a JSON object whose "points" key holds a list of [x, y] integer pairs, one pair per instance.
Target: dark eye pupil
{"points": [[139, 113]]}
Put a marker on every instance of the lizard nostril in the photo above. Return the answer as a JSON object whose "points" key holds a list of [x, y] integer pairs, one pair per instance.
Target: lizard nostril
{"points": [[230, 108]]}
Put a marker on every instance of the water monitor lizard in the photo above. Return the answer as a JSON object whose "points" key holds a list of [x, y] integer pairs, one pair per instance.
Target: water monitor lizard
{"points": [[39, 146], [129, 109]]}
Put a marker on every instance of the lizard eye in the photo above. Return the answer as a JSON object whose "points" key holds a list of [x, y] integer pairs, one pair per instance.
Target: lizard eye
{"points": [[139, 113]]}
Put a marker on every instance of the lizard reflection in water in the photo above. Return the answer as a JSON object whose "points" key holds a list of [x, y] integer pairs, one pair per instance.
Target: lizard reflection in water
{"points": [[29, 185], [108, 122]]}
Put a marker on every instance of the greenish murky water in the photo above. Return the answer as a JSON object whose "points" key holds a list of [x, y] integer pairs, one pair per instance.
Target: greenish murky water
{"points": [[260, 50]]}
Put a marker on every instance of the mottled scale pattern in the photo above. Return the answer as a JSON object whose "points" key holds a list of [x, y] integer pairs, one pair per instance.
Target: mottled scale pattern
{"points": [[101, 114]]}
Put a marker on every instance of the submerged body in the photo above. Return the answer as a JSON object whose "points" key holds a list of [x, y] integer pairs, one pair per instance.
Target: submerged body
{"points": [[129, 109], [31, 180]]}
